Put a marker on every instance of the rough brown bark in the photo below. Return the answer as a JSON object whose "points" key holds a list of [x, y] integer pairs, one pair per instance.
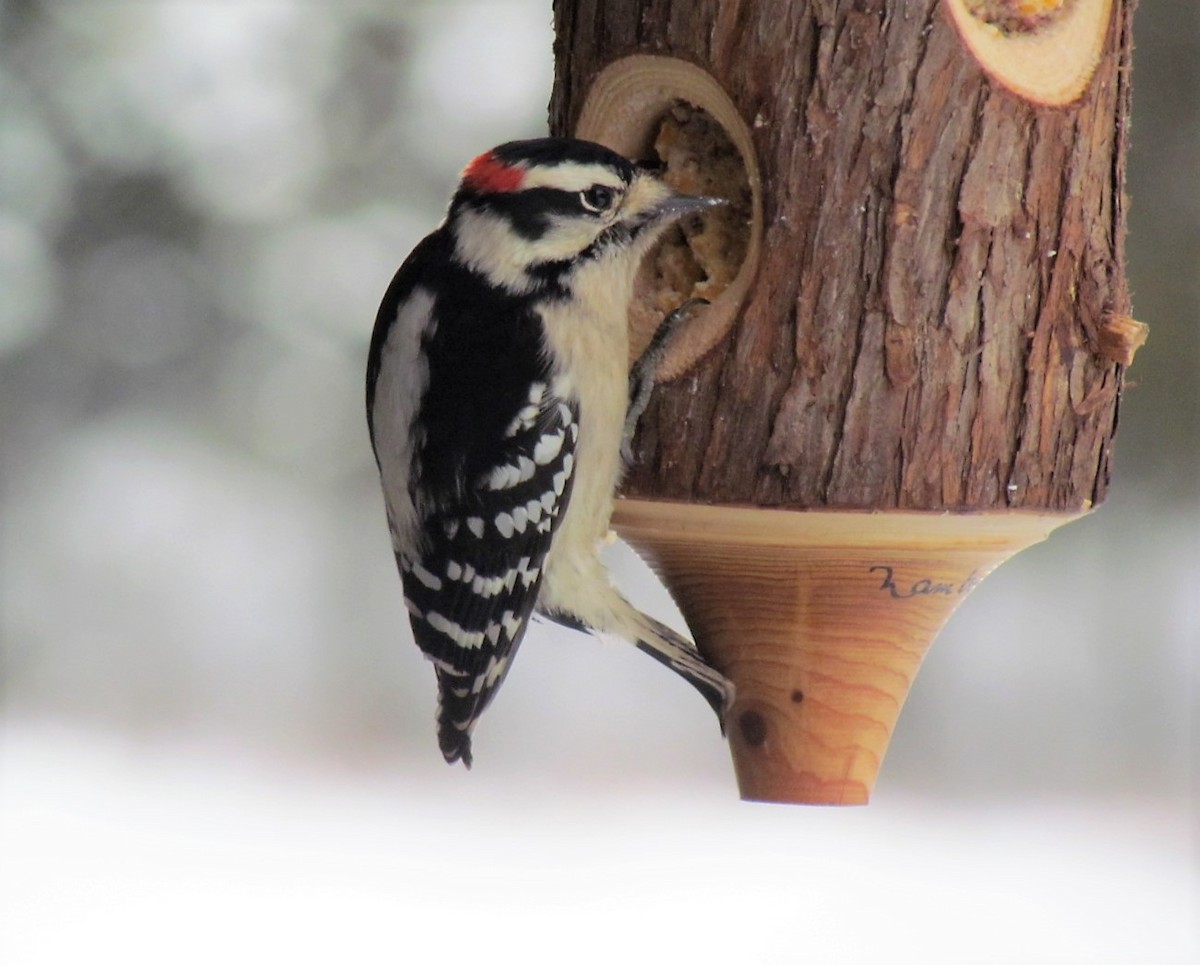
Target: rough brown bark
{"points": [[941, 262]]}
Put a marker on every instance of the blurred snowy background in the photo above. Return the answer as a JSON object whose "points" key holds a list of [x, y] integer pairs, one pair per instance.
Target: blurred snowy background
{"points": [[216, 737]]}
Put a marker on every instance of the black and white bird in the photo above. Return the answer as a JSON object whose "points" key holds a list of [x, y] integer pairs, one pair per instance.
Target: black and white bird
{"points": [[499, 401]]}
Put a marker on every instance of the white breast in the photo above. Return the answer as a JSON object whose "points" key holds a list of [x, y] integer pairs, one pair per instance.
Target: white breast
{"points": [[589, 342]]}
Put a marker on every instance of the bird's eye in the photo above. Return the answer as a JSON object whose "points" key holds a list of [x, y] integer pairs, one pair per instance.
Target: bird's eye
{"points": [[597, 198]]}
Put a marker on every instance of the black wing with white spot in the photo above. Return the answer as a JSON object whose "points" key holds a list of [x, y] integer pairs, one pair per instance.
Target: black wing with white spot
{"points": [[472, 589], [476, 455]]}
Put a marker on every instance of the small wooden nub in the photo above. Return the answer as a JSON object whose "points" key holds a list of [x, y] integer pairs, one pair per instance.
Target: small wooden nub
{"points": [[1120, 337], [821, 620]]}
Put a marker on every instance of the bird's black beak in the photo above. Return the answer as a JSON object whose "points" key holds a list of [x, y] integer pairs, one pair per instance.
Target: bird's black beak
{"points": [[681, 205]]}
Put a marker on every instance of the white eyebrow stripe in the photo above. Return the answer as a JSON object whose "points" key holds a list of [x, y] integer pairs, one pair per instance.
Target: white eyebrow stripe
{"points": [[572, 177]]}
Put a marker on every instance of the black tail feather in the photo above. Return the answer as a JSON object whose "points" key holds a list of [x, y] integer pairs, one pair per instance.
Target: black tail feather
{"points": [[680, 655], [455, 744]]}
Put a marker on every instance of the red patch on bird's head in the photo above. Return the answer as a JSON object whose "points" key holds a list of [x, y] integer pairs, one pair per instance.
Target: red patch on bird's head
{"points": [[489, 175]]}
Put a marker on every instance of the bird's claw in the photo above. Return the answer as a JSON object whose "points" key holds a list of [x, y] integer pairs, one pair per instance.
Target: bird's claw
{"points": [[641, 375]]}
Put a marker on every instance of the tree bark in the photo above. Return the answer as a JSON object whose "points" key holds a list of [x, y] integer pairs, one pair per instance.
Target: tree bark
{"points": [[936, 321]]}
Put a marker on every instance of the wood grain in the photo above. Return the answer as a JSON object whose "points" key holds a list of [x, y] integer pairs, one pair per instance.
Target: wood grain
{"points": [[821, 620]]}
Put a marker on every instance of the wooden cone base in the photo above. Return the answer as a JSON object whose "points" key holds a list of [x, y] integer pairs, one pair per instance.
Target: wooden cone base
{"points": [[821, 619]]}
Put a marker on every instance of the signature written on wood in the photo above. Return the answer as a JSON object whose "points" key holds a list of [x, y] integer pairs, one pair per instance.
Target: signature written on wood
{"points": [[907, 590]]}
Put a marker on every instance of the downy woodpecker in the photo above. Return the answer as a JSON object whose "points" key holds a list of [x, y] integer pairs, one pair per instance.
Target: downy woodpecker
{"points": [[498, 403]]}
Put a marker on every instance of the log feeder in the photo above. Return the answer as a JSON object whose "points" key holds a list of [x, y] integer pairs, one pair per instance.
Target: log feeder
{"points": [[913, 356]]}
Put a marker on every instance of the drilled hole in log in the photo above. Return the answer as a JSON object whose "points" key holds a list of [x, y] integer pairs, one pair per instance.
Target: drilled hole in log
{"points": [[1043, 50], [700, 257], [645, 105]]}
